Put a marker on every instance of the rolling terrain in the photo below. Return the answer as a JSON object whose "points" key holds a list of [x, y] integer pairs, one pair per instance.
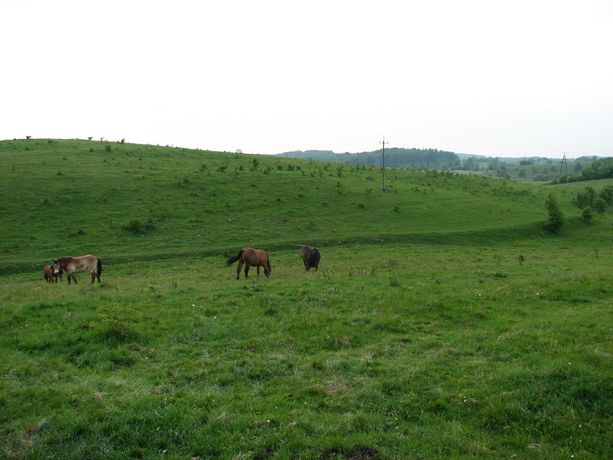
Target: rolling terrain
{"points": [[444, 320]]}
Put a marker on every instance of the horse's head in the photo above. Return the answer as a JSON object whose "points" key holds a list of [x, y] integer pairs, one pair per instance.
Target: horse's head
{"points": [[56, 266], [267, 269]]}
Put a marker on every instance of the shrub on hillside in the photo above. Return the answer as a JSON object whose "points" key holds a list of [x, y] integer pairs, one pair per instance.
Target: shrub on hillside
{"points": [[586, 215], [599, 205], [585, 197], [555, 219], [607, 194]]}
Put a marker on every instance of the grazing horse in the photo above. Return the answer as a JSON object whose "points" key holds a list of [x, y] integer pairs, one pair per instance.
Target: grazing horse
{"points": [[310, 257], [50, 274], [72, 265], [249, 257]]}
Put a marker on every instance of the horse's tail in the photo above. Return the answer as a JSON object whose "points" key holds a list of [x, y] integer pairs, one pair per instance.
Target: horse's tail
{"points": [[268, 263], [233, 259], [315, 257], [99, 267]]}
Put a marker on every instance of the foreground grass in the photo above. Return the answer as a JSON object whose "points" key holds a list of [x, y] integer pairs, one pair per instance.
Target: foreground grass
{"points": [[389, 352]]}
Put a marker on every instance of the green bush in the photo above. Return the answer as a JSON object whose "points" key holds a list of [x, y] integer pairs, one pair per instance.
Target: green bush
{"points": [[555, 219], [586, 215], [585, 198], [599, 205], [607, 194]]}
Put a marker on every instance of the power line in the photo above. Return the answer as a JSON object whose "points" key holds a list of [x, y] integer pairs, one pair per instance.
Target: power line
{"points": [[383, 165], [564, 165]]}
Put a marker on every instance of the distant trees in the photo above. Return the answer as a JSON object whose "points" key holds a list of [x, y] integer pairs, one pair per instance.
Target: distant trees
{"points": [[598, 169], [470, 164], [394, 158]]}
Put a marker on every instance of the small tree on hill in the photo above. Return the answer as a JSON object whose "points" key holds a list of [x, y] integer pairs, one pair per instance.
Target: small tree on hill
{"points": [[607, 194], [585, 197], [599, 205], [555, 221]]}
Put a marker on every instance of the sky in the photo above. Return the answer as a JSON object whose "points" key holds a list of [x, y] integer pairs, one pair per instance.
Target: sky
{"points": [[502, 78]]}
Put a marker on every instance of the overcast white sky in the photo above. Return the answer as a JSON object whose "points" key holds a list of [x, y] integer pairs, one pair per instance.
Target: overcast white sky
{"points": [[512, 78]]}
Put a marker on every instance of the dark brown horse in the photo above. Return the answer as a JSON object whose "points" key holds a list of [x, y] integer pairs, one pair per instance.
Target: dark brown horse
{"points": [[310, 257], [251, 257], [51, 275], [73, 265]]}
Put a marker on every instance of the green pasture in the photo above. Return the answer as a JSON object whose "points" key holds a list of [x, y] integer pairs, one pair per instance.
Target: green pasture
{"points": [[423, 335]]}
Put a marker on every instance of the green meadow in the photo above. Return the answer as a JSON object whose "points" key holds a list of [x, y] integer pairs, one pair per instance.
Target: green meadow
{"points": [[444, 321]]}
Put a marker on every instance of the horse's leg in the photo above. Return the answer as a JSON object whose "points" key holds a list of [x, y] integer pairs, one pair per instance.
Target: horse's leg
{"points": [[93, 277], [247, 267], [98, 276], [258, 269], [74, 278], [69, 277], [238, 270]]}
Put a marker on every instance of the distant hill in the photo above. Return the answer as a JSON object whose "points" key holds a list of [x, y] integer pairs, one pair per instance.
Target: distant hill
{"points": [[394, 158]]}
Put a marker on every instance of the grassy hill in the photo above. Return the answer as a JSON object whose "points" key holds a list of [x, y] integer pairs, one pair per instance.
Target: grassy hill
{"points": [[424, 334], [65, 197]]}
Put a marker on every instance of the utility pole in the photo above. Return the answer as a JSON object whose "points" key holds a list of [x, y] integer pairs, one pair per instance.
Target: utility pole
{"points": [[383, 165], [564, 165]]}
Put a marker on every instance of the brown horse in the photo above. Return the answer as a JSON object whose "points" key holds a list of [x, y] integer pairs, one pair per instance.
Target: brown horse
{"points": [[72, 265], [310, 257], [50, 274], [251, 257]]}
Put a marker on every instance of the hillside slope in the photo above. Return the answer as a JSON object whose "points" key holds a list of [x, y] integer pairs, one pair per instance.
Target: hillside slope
{"points": [[125, 200]]}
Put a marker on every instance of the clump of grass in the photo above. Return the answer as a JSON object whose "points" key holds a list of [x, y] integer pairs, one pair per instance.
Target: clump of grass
{"points": [[116, 323], [136, 227]]}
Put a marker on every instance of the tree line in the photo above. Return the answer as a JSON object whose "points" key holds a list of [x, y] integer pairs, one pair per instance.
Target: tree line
{"points": [[394, 158]]}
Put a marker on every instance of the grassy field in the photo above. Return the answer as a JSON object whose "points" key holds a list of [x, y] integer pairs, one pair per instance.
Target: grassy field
{"points": [[422, 335]]}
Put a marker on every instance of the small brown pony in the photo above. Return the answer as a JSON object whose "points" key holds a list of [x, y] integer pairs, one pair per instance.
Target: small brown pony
{"points": [[72, 265], [310, 257], [251, 257], [51, 275]]}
